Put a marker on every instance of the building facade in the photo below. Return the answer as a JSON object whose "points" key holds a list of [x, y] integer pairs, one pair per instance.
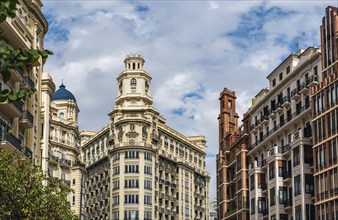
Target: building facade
{"points": [[232, 172], [281, 161], [19, 120], [60, 139], [325, 120], [138, 167]]}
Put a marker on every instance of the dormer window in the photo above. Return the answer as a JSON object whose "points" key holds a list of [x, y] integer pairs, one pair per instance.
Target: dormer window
{"points": [[133, 82], [62, 115]]}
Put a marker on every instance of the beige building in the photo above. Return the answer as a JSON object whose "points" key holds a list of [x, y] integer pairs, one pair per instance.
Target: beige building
{"points": [[281, 162], [138, 167], [60, 139], [19, 121]]}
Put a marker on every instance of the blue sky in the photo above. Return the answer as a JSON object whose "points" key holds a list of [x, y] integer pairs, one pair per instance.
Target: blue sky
{"points": [[193, 49]]}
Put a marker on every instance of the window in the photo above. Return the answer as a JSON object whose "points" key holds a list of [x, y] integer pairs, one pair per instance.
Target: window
{"points": [[116, 170], [280, 76], [116, 185], [261, 205], [115, 215], [282, 195], [288, 70], [73, 202], [116, 200], [252, 182], [116, 156], [273, 82], [147, 156], [73, 182], [62, 115], [131, 169], [309, 184], [147, 184], [310, 215], [281, 168], [133, 82], [131, 215], [271, 170], [148, 170], [298, 213], [272, 196], [131, 154], [131, 199], [296, 157], [297, 185], [252, 206], [239, 162], [147, 215], [147, 199], [133, 183]]}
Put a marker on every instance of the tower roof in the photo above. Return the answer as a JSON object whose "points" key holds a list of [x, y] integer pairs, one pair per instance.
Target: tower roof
{"points": [[63, 94]]}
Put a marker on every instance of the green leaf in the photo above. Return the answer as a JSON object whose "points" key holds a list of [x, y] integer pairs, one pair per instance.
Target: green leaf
{"points": [[6, 75], [12, 96]]}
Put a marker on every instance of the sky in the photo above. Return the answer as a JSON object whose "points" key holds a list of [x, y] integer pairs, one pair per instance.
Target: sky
{"points": [[193, 49]]}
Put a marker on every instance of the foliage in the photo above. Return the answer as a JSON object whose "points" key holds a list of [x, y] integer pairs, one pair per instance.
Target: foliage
{"points": [[23, 195], [16, 59]]}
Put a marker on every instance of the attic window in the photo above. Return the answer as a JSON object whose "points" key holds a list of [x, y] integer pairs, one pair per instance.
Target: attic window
{"points": [[133, 82]]}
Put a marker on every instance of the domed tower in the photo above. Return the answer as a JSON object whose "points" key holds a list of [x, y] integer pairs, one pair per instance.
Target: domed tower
{"points": [[65, 102], [63, 149], [134, 84], [132, 137]]}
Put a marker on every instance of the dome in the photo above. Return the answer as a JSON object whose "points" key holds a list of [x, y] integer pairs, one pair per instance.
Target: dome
{"points": [[63, 94]]}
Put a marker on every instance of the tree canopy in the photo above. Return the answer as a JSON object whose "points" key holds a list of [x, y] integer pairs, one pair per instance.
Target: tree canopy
{"points": [[23, 194]]}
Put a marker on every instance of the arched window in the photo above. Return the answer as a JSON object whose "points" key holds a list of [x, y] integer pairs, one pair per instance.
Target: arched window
{"points": [[132, 127], [62, 115], [133, 82], [120, 86]]}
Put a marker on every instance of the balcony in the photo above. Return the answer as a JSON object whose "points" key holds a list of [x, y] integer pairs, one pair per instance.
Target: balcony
{"points": [[65, 162], [312, 81], [288, 204], [17, 75], [10, 142], [27, 152], [303, 89], [26, 120], [271, 113], [265, 119], [295, 94], [27, 83], [286, 101], [65, 182], [279, 108], [287, 176], [12, 109]]}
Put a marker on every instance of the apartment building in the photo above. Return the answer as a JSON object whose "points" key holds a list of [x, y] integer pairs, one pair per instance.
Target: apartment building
{"points": [[280, 156], [19, 120], [138, 167], [324, 98], [232, 172], [60, 139]]}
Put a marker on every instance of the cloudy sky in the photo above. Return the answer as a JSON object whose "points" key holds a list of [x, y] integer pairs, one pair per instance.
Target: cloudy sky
{"points": [[193, 49]]}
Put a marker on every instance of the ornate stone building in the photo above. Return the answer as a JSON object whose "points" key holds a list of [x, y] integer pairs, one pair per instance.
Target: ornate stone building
{"points": [[281, 161], [60, 139], [138, 167], [19, 121], [232, 173]]}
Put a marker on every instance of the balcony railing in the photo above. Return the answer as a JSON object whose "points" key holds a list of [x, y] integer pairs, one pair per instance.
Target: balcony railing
{"points": [[10, 138], [277, 127]]}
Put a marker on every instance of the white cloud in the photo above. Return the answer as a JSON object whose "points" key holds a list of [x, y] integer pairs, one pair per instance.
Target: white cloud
{"points": [[189, 47]]}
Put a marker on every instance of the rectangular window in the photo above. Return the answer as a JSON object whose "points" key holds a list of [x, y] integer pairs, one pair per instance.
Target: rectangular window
{"points": [[147, 199], [116, 156], [309, 184], [116, 200], [116, 185], [280, 76], [297, 185], [261, 205], [147, 215], [147, 156], [115, 216], [296, 157], [287, 69], [283, 195], [131, 199], [116, 170], [131, 154], [147, 184], [298, 213], [271, 170], [133, 183], [252, 206], [131, 215], [239, 162], [281, 168], [131, 169], [272, 196], [148, 170], [252, 182]]}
